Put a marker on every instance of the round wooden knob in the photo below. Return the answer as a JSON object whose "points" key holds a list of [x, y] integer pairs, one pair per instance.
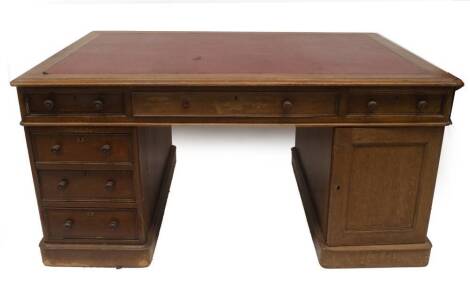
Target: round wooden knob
{"points": [[56, 148], [68, 224], [105, 149], [422, 105], [48, 104], [109, 185], [372, 106], [114, 224], [287, 105], [185, 104], [98, 105], [62, 184]]}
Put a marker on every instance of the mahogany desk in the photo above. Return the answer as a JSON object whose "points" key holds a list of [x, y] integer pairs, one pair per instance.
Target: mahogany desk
{"points": [[369, 120]]}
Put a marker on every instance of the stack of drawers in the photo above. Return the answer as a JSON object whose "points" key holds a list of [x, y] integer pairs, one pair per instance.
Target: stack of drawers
{"points": [[85, 182], [98, 188]]}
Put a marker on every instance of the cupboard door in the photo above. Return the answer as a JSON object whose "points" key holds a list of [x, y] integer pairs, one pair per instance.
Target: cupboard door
{"points": [[382, 185]]}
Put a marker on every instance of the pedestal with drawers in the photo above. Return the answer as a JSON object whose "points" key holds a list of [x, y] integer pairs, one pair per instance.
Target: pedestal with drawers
{"points": [[101, 191], [369, 119]]}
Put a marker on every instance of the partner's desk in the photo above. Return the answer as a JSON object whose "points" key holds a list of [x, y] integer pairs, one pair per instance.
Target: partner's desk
{"points": [[369, 120]]}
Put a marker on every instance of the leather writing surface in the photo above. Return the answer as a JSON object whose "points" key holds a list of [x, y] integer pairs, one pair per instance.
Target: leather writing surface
{"points": [[234, 53]]}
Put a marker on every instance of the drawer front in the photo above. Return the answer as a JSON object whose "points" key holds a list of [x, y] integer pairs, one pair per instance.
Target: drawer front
{"points": [[81, 147], [74, 102], [85, 185], [91, 224], [235, 104], [395, 104]]}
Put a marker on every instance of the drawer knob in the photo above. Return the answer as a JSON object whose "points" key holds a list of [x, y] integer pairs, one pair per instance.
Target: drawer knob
{"points": [[105, 149], [109, 185], [98, 105], [287, 105], [422, 105], [62, 184], [68, 224], [48, 104], [56, 148], [114, 224], [185, 104], [372, 106]]}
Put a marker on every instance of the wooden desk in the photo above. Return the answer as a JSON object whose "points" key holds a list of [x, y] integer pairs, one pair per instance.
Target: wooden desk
{"points": [[369, 116]]}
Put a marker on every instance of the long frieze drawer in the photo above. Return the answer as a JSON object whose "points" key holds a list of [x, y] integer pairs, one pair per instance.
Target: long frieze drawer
{"points": [[394, 103], [74, 102], [74, 185], [90, 224], [249, 104], [81, 147]]}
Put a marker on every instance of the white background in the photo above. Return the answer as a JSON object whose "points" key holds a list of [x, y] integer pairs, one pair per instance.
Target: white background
{"points": [[234, 216]]}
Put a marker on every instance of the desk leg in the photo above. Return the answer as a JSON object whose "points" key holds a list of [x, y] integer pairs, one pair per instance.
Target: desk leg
{"points": [[367, 193]]}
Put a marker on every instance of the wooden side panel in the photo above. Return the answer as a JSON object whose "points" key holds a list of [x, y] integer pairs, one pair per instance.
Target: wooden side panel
{"points": [[382, 185], [314, 146], [154, 147]]}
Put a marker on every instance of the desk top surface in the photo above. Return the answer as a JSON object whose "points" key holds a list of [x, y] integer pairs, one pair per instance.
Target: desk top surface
{"points": [[234, 58]]}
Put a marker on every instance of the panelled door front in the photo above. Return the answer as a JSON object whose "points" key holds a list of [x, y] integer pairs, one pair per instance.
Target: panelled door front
{"points": [[382, 185]]}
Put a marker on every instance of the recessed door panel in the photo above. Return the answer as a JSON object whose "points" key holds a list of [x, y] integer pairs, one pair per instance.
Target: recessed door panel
{"points": [[382, 185]]}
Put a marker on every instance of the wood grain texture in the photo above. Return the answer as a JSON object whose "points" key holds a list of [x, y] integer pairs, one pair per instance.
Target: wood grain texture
{"points": [[72, 146], [114, 255], [87, 185], [76, 202], [235, 104], [92, 224], [357, 256], [323, 107], [370, 185], [154, 153], [75, 101], [314, 149], [382, 185]]}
